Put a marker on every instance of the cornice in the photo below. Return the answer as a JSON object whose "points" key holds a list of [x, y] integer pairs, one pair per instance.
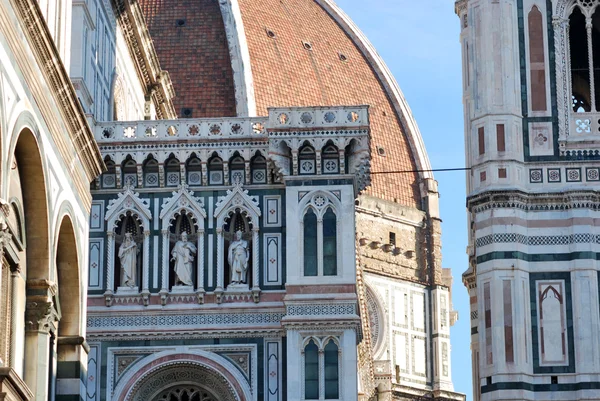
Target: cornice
{"points": [[61, 88], [156, 81], [460, 6], [548, 201]]}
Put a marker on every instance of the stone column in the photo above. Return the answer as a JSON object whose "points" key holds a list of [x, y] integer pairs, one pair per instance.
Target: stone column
{"points": [[255, 264], [342, 164], [295, 162], [588, 26], [40, 321], [182, 176], [118, 176], [16, 328], [71, 368], [164, 287], [220, 265], [200, 267], [225, 172], [161, 175], [204, 173], [318, 163], [247, 171], [110, 267], [146, 268]]}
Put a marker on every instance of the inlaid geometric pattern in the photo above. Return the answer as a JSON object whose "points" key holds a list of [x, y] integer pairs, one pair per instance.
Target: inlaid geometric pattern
{"points": [[535, 240]]}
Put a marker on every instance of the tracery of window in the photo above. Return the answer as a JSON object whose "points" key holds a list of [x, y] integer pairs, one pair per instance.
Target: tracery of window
{"points": [[172, 171], [194, 171], [307, 160], [130, 172], [259, 170], [151, 172], [320, 242], [331, 160], [185, 393], [215, 171], [584, 48], [237, 170], [109, 177], [321, 370]]}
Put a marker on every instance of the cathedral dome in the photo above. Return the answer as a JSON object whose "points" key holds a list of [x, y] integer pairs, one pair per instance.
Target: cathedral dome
{"points": [[239, 57]]}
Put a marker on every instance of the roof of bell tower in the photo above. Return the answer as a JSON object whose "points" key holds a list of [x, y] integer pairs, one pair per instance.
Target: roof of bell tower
{"points": [[239, 57]]}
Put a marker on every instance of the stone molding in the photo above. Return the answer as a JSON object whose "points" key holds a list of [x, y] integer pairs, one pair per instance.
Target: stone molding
{"points": [[156, 82], [61, 88], [534, 201], [12, 384]]}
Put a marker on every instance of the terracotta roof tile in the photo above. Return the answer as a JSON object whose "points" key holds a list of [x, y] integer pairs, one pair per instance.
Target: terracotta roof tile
{"points": [[189, 37], [286, 74]]}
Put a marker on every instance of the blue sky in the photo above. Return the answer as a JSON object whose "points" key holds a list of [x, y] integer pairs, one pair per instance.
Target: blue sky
{"points": [[419, 41]]}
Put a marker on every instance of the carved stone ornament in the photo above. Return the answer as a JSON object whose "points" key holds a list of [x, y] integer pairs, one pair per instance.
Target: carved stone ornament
{"points": [[183, 201], [237, 197], [40, 316], [127, 201]]}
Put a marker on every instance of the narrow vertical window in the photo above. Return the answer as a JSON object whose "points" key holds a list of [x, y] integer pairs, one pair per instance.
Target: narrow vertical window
{"points": [[311, 371], [508, 321], [310, 243], [580, 69], [500, 138], [488, 323], [329, 243], [332, 385], [481, 137], [596, 54], [537, 66]]}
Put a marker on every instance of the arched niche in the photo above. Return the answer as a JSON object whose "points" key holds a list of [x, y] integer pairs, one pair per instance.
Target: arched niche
{"points": [[155, 374], [128, 214], [183, 212], [233, 211]]}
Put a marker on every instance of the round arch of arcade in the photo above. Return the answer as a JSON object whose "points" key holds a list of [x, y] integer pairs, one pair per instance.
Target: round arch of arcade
{"points": [[156, 376]]}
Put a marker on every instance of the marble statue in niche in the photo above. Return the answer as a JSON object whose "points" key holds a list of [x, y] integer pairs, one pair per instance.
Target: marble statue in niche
{"points": [[128, 256], [183, 256], [237, 256]]}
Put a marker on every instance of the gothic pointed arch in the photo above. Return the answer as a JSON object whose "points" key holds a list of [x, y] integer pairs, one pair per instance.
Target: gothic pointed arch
{"points": [[238, 204], [182, 205], [128, 207], [128, 201]]}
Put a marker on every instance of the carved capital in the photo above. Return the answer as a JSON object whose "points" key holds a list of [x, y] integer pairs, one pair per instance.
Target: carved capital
{"points": [[40, 316], [146, 233]]}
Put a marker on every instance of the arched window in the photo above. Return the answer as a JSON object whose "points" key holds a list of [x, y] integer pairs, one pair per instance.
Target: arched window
{"points": [[329, 243], [194, 171], [259, 170], [215, 171], [109, 178], [307, 160], [310, 243], [172, 172], [311, 371], [151, 172], [237, 170], [331, 368], [580, 67], [537, 60], [129, 172], [330, 160]]}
